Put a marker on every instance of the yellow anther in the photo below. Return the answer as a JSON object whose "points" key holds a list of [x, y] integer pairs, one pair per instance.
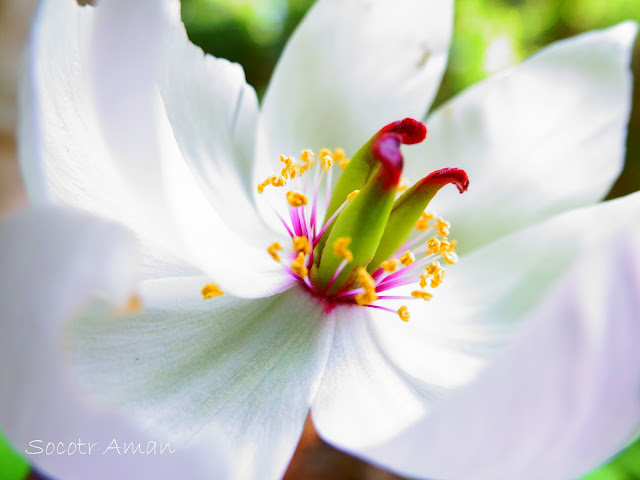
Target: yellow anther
{"points": [[444, 245], [353, 195], [403, 313], [277, 181], [211, 290], [273, 251], [423, 222], [296, 199], [423, 295], [423, 280], [133, 305], [437, 279], [366, 281], [308, 160], [442, 226], [450, 257], [390, 265], [434, 268], [301, 244], [340, 156], [403, 185], [298, 265], [365, 298], [452, 245], [326, 159], [341, 250], [433, 245], [290, 168], [407, 258]]}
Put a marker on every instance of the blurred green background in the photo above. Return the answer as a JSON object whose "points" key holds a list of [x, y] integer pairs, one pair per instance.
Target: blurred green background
{"points": [[488, 35]]}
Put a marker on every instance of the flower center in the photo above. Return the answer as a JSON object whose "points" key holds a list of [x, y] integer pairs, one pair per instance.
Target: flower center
{"points": [[375, 234]]}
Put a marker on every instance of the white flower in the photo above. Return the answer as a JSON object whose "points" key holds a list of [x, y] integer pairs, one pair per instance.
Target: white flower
{"points": [[128, 120], [54, 260]]}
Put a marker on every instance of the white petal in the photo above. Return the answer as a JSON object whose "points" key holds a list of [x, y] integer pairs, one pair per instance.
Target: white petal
{"points": [[363, 397], [560, 401], [350, 68], [484, 298], [250, 366], [547, 136], [73, 159], [473, 314], [89, 138], [53, 261], [209, 133]]}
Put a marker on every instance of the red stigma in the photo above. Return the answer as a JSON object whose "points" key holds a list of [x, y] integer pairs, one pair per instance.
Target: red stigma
{"points": [[386, 148], [448, 175], [411, 131]]}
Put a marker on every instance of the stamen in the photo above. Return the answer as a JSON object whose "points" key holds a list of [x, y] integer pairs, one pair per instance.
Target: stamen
{"points": [[423, 222], [369, 286], [407, 258], [340, 156], [403, 313], [353, 194], [403, 185], [341, 250], [273, 250], [296, 199], [301, 244], [390, 265], [326, 159], [211, 290], [443, 227], [423, 295], [298, 266], [450, 257], [133, 305]]}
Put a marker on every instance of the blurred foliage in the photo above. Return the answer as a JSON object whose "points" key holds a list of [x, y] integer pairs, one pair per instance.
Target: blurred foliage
{"points": [[12, 466]]}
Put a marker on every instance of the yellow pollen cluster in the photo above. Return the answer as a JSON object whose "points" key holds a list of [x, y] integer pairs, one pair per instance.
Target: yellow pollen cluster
{"points": [[274, 181], [443, 227], [369, 285], [273, 251], [211, 290], [407, 258], [403, 313], [444, 248], [340, 156], [341, 250], [423, 295], [326, 159], [403, 185], [423, 222], [390, 265], [291, 170], [133, 305], [435, 271], [296, 199], [301, 244], [298, 265], [353, 195]]}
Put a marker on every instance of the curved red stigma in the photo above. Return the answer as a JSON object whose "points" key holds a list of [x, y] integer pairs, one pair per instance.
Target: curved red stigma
{"points": [[448, 175], [412, 131]]}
